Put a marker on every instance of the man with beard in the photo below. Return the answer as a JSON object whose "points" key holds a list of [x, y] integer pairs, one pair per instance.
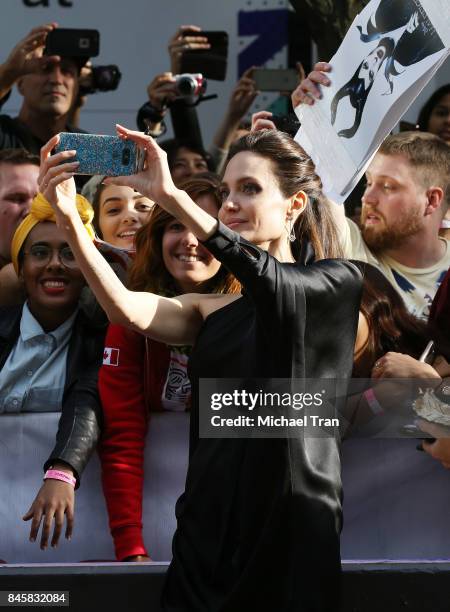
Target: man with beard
{"points": [[406, 197]]}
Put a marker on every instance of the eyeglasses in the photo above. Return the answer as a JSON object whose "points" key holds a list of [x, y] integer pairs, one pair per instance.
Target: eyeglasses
{"points": [[41, 255]]}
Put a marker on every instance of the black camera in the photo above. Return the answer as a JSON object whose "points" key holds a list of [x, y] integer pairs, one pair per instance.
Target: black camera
{"points": [[190, 84], [100, 78]]}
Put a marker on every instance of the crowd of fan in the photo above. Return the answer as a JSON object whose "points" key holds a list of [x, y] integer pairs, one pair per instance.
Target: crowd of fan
{"points": [[49, 340]]}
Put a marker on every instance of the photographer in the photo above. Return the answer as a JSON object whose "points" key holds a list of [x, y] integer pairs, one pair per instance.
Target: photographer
{"points": [[49, 86], [165, 92]]}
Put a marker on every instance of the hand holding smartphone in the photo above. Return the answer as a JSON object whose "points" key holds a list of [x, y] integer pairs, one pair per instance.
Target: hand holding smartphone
{"points": [[212, 62], [71, 42], [102, 154]]}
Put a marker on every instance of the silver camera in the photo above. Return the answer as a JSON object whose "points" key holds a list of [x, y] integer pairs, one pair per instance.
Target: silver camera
{"points": [[190, 84]]}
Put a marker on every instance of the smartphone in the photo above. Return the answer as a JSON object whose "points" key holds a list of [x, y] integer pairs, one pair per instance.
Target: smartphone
{"points": [[68, 42], [211, 63], [102, 154], [267, 79]]}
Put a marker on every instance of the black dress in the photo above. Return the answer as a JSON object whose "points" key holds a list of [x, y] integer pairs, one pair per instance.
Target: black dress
{"points": [[259, 521]]}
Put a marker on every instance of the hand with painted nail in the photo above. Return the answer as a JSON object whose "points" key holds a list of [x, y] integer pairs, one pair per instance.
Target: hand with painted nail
{"points": [[309, 89], [54, 501]]}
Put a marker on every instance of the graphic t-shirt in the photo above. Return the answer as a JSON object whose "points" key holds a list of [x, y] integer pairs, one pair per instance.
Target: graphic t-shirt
{"points": [[417, 286], [177, 388]]}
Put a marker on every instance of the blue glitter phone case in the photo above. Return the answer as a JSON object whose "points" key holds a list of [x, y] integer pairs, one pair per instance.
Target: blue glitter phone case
{"points": [[102, 154]]}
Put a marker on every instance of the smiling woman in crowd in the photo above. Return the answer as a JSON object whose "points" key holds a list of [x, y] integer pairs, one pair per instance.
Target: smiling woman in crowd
{"points": [[150, 376], [49, 359], [118, 214]]}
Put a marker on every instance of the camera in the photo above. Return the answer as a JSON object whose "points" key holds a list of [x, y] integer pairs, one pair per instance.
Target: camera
{"points": [[100, 78], [190, 84]]}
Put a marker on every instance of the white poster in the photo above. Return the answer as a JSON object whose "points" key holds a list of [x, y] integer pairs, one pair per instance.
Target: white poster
{"points": [[390, 52]]}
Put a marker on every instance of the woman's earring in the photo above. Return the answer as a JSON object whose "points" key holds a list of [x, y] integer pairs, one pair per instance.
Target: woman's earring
{"points": [[292, 236]]}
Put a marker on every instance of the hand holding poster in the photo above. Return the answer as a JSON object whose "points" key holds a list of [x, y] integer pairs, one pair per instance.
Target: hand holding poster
{"points": [[388, 55]]}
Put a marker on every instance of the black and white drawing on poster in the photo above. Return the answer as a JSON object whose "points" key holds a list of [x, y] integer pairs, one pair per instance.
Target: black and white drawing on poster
{"points": [[390, 52], [401, 35]]}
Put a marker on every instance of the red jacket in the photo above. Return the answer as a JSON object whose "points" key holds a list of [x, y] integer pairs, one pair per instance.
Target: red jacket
{"points": [[121, 386]]}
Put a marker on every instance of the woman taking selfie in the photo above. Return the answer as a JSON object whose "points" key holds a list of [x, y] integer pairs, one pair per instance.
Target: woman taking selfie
{"points": [[151, 376], [259, 521]]}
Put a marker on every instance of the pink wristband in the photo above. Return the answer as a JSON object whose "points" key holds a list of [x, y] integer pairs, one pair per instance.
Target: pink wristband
{"points": [[374, 404], [57, 475]]}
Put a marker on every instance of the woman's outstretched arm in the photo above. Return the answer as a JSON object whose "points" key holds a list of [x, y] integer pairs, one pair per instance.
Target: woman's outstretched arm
{"points": [[169, 320], [156, 180]]}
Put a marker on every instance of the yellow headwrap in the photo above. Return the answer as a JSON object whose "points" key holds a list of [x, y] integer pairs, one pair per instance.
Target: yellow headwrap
{"points": [[42, 211]]}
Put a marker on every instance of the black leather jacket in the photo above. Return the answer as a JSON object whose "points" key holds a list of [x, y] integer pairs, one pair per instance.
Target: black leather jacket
{"points": [[80, 423]]}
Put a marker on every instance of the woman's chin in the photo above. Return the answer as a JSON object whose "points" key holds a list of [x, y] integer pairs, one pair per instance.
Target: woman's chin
{"points": [[124, 243], [248, 234]]}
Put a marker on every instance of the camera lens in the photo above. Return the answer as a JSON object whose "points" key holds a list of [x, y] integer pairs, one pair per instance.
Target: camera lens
{"points": [[186, 85]]}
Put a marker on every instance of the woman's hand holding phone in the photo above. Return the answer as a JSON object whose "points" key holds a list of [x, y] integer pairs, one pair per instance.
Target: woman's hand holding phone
{"points": [[56, 181], [155, 180]]}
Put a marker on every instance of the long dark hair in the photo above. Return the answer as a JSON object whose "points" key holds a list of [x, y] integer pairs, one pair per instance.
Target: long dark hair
{"points": [[148, 271], [428, 107], [391, 326], [96, 206], [295, 172]]}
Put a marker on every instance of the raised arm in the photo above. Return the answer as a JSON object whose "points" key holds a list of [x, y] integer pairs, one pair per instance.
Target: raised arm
{"points": [[156, 179], [26, 57], [169, 320]]}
